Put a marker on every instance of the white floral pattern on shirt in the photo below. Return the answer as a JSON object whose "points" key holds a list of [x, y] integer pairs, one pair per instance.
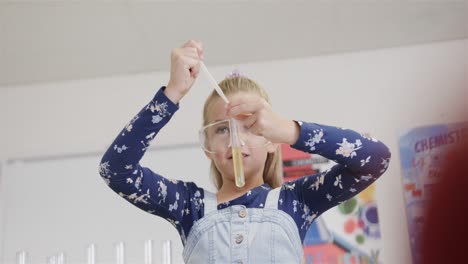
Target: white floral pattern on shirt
{"points": [[347, 149], [314, 139]]}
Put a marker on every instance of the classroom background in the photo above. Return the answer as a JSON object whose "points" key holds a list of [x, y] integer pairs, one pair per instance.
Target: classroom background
{"points": [[73, 74]]}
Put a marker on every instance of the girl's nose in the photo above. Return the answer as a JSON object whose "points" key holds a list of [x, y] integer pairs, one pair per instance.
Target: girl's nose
{"points": [[243, 135], [242, 142]]}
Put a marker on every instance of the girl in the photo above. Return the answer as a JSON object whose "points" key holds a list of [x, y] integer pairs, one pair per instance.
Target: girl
{"points": [[265, 221]]}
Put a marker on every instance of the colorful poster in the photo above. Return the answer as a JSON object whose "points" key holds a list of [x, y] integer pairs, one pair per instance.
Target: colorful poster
{"points": [[422, 152], [346, 234]]}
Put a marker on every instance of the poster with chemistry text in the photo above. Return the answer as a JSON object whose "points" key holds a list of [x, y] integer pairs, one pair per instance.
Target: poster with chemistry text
{"points": [[422, 153]]}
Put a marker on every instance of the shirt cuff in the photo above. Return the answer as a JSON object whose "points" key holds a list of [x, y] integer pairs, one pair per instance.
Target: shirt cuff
{"points": [[163, 103]]}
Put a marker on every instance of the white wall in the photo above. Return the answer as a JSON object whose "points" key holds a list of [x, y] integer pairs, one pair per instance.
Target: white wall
{"points": [[68, 206], [379, 91], [2, 209]]}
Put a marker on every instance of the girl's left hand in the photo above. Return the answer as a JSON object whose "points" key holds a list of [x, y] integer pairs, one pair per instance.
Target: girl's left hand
{"points": [[256, 114]]}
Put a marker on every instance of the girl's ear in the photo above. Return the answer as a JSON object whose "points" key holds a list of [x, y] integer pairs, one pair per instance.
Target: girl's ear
{"points": [[272, 147]]}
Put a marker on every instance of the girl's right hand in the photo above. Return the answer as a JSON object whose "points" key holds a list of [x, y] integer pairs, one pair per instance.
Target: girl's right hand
{"points": [[185, 67]]}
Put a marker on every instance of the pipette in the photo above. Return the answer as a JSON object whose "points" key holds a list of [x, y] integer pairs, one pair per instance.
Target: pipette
{"points": [[234, 133]]}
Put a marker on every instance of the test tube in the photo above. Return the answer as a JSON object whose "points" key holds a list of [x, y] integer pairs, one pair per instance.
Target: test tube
{"points": [[52, 260], [21, 257], [149, 252], [61, 258], [91, 254], [236, 153], [120, 253], [167, 252]]}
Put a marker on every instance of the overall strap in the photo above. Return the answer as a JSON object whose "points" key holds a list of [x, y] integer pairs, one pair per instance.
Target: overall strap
{"points": [[210, 202], [272, 198]]}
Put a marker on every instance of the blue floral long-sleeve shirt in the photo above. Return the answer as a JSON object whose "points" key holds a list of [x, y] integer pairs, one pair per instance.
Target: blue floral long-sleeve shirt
{"points": [[360, 161]]}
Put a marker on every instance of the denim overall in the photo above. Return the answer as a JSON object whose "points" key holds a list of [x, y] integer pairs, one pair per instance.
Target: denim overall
{"points": [[244, 235]]}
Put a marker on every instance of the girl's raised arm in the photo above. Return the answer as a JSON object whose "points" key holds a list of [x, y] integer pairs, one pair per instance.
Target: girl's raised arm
{"points": [[176, 201], [361, 160]]}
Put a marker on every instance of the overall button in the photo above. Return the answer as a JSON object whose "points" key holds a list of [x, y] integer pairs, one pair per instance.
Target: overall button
{"points": [[243, 213], [239, 238]]}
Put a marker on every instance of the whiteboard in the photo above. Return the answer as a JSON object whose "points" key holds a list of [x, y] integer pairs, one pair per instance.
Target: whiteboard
{"points": [[62, 204]]}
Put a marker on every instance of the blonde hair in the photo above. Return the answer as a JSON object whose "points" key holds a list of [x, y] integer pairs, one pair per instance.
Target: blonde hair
{"points": [[272, 173]]}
